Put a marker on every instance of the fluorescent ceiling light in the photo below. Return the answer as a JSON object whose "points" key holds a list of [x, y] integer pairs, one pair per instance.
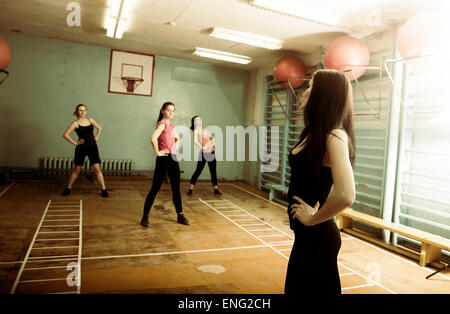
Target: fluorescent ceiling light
{"points": [[247, 38], [294, 9], [117, 17], [221, 55]]}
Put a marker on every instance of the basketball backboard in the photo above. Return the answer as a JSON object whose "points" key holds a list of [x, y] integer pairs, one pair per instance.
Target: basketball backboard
{"points": [[131, 73]]}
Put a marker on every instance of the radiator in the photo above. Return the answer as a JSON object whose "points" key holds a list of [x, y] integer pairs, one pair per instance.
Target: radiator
{"points": [[112, 167]]}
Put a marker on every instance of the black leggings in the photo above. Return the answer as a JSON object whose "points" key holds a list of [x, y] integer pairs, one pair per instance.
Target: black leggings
{"points": [[165, 164], [203, 158]]}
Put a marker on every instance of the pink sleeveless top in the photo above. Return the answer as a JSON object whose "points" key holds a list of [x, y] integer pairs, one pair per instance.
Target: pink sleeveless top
{"points": [[167, 138], [204, 137]]}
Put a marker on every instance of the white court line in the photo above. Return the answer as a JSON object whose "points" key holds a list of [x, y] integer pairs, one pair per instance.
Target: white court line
{"points": [[281, 242], [240, 226], [68, 292], [43, 268], [256, 230], [58, 231], [338, 262], [271, 235], [352, 237], [276, 204], [61, 239], [63, 206], [356, 287], [7, 188], [176, 252], [44, 257], [64, 202], [346, 274], [251, 225], [42, 280], [288, 235], [69, 215], [399, 257], [16, 282], [59, 226], [55, 247], [368, 280], [52, 260], [80, 250]]}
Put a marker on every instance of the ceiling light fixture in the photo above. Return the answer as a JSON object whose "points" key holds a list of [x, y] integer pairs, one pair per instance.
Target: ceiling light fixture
{"points": [[294, 9], [247, 38], [117, 17], [221, 55]]}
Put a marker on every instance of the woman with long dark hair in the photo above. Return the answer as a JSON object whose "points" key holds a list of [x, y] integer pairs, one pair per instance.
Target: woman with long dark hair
{"points": [[205, 142], [165, 141], [85, 146], [322, 158]]}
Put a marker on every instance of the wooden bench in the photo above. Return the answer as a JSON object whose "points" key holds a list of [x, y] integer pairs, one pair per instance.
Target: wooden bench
{"points": [[431, 247], [275, 187]]}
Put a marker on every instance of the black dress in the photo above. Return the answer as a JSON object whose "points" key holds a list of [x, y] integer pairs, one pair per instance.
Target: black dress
{"points": [[312, 264]]}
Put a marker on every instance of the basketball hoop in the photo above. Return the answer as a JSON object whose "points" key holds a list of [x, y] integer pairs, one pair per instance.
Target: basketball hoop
{"points": [[3, 75], [131, 83]]}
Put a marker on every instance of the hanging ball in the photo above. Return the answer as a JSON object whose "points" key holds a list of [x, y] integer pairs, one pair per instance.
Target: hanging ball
{"points": [[423, 34], [290, 67], [5, 54], [345, 53]]}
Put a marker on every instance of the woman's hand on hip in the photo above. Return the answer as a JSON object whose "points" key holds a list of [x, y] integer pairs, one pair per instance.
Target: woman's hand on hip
{"points": [[163, 152], [303, 212]]}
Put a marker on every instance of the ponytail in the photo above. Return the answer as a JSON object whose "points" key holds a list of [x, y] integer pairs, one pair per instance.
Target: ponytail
{"points": [[192, 123]]}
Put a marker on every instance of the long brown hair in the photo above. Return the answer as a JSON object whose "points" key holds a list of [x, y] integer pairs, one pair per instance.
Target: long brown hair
{"points": [[330, 106], [164, 106]]}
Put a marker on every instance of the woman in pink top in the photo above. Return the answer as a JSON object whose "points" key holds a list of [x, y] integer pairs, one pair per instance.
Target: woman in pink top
{"points": [[164, 141], [206, 142]]}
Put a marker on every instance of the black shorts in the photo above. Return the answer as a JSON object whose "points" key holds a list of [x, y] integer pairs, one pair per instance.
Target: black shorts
{"points": [[83, 150]]}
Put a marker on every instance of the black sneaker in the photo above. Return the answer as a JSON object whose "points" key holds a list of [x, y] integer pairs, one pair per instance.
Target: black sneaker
{"points": [[65, 192], [189, 192], [217, 192], [182, 220], [105, 193], [144, 221]]}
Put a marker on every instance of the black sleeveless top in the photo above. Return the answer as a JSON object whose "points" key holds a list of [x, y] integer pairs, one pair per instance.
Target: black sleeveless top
{"points": [[86, 133], [310, 185]]}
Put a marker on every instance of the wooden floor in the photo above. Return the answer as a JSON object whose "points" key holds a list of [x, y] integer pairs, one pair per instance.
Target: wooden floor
{"points": [[237, 243]]}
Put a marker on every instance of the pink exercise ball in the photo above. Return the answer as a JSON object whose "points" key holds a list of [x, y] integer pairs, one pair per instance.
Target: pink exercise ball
{"points": [[345, 53], [422, 34], [5, 54], [290, 67]]}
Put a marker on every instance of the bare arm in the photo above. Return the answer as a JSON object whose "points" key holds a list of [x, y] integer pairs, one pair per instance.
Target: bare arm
{"points": [[66, 134], [196, 141], [98, 127], [343, 193], [154, 141]]}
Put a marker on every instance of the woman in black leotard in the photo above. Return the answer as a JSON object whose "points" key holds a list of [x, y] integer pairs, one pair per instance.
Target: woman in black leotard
{"points": [[323, 157], [85, 146]]}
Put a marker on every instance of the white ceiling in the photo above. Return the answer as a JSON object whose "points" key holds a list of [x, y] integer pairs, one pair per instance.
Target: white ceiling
{"points": [[149, 30]]}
